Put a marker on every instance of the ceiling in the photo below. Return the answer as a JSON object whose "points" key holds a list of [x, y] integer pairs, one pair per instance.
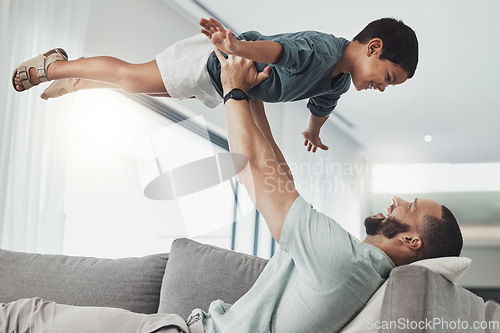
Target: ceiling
{"points": [[452, 97]]}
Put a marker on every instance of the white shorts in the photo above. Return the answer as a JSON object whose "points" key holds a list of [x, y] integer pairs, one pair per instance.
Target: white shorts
{"points": [[183, 68]]}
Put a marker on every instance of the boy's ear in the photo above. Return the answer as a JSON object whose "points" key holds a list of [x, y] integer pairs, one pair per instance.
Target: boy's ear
{"points": [[374, 47]]}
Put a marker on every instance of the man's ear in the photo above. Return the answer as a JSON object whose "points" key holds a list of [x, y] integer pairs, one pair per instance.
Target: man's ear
{"points": [[412, 242], [374, 47]]}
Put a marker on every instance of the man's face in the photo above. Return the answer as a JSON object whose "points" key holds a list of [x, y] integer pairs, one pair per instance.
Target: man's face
{"points": [[371, 72], [401, 216]]}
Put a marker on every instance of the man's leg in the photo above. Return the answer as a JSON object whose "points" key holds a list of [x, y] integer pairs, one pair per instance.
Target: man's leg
{"points": [[38, 316]]}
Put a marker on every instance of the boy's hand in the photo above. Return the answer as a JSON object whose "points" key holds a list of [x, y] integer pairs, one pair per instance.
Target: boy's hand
{"points": [[222, 39], [311, 134], [313, 141]]}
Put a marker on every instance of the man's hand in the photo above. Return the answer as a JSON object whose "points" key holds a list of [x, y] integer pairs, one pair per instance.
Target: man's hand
{"points": [[313, 141], [237, 72], [222, 39]]}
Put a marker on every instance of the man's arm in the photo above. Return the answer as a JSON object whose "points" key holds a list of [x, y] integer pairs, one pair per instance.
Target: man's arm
{"points": [[260, 118], [267, 52], [270, 189]]}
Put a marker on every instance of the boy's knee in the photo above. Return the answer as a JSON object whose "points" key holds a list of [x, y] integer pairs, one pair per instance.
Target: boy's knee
{"points": [[128, 79]]}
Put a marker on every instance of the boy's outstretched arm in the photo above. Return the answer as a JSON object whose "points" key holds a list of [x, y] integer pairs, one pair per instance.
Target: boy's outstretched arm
{"points": [[267, 52], [311, 134], [269, 188]]}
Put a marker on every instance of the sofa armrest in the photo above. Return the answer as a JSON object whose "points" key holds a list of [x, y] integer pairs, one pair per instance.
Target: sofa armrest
{"points": [[492, 310], [417, 296]]}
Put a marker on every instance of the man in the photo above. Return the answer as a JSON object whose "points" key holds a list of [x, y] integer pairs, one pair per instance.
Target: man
{"points": [[320, 277]]}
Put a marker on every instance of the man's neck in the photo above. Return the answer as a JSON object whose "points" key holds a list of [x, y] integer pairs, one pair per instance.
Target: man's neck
{"points": [[380, 243]]}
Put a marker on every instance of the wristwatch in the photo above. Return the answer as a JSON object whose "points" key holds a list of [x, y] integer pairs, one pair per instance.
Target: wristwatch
{"points": [[236, 94]]}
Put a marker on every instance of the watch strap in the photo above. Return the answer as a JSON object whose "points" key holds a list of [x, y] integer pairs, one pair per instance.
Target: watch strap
{"points": [[236, 94]]}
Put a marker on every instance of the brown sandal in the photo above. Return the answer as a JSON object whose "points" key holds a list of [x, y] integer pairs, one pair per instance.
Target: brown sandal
{"points": [[40, 63]]}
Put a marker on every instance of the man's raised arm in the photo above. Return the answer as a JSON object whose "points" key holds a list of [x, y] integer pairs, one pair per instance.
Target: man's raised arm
{"points": [[260, 119], [270, 189]]}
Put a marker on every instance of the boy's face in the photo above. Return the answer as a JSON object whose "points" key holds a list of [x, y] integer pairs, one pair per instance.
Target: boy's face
{"points": [[371, 72]]}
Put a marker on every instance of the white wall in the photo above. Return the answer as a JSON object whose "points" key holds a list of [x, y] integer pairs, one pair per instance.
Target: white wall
{"points": [[134, 30], [485, 268], [335, 181]]}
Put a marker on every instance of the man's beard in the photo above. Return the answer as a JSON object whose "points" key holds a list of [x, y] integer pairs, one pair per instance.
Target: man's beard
{"points": [[390, 228]]}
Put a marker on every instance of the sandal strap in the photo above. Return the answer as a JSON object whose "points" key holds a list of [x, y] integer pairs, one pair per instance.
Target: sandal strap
{"points": [[41, 68], [24, 75], [47, 59]]}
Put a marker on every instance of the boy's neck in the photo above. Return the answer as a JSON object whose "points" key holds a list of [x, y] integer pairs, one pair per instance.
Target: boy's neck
{"points": [[346, 62]]}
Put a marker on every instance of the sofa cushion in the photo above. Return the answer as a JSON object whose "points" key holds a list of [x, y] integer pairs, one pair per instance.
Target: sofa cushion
{"points": [[130, 283], [198, 274]]}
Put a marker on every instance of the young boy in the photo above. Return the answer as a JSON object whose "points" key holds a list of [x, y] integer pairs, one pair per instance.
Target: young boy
{"points": [[302, 65]]}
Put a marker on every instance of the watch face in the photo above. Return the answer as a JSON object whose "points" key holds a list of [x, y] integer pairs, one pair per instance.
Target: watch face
{"points": [[238, 94]]}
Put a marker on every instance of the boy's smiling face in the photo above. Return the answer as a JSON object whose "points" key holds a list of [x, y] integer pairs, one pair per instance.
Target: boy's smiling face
{"points": [[371, 72]]}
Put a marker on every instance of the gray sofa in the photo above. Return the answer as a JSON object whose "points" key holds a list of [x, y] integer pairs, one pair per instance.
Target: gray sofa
{"points": [[193, 274]]}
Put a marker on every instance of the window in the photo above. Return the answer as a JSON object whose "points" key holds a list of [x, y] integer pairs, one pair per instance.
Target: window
{"points": [[108, 214]]}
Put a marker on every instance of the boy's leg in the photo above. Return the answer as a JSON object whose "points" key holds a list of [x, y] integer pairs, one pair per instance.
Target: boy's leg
{"points": [[38, 316], [62, 87], [134, 78]]}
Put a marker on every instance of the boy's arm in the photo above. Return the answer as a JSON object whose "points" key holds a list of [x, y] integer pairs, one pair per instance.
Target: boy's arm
{"points": [[263, 51], [269, 188], [311, 134]]}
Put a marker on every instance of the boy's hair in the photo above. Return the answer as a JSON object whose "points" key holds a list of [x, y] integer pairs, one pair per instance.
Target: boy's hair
{"points": [[400, 42]]}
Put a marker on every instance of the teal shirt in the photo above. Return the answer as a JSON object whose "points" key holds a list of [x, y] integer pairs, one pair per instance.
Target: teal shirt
{"points": [[303, 72], [318, 281]]}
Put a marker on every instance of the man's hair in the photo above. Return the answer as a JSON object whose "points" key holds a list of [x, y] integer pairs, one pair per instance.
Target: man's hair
{"points": [[400, 42], [440, 237]]}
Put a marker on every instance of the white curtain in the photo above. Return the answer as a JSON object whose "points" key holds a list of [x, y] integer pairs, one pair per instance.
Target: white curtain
{"points": [[33, 132]]}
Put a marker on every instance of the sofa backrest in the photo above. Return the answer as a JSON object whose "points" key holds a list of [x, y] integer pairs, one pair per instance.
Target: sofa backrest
{"points": [[131, 283]]}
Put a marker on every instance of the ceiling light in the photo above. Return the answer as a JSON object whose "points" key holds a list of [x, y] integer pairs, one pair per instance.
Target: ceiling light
{"points": [[428, 138]]}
